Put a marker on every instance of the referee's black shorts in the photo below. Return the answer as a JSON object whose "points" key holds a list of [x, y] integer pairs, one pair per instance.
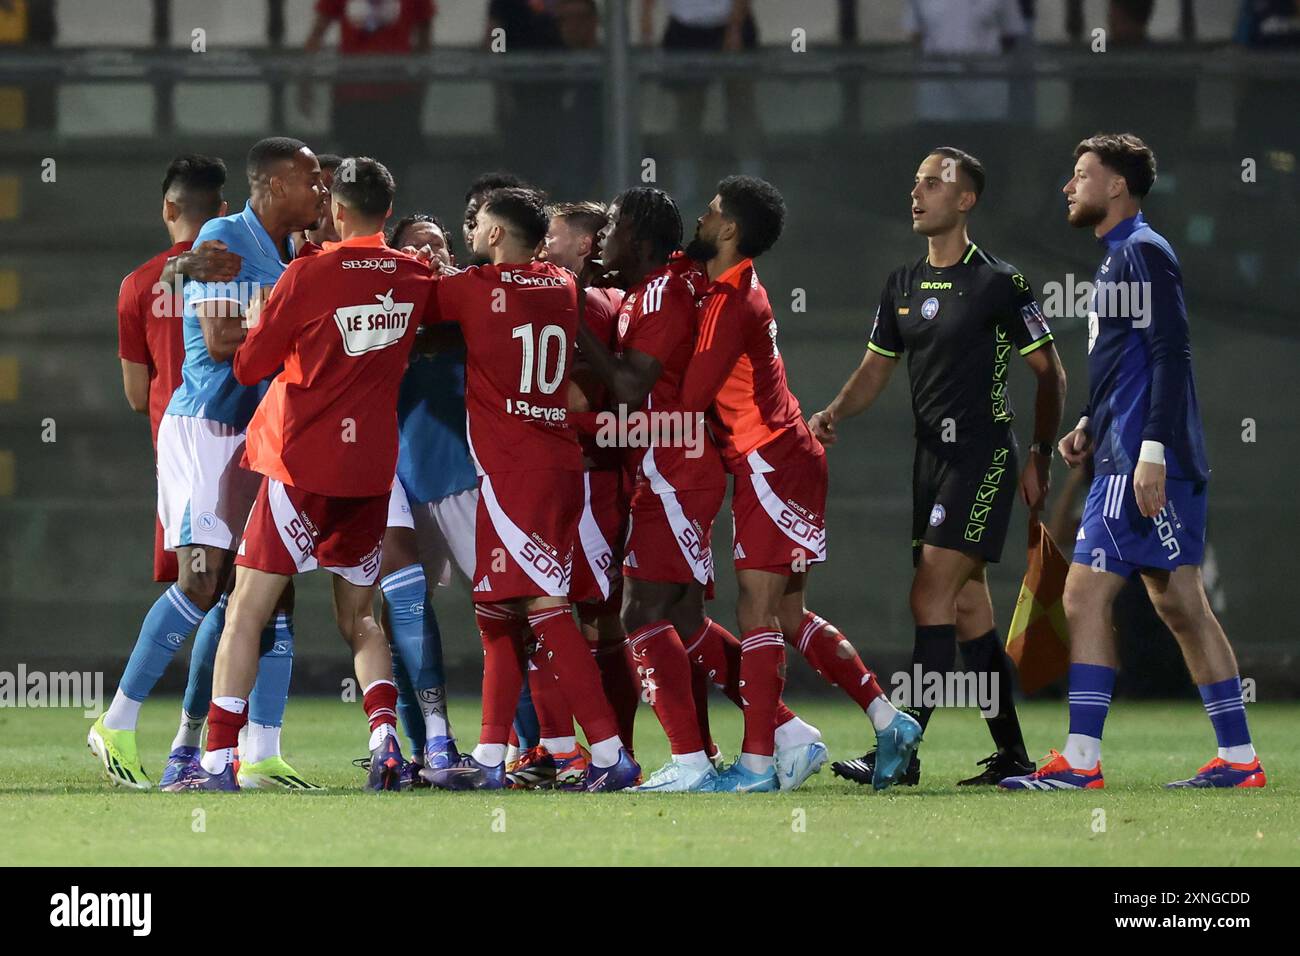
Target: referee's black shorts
{"points": [[962, 498]]}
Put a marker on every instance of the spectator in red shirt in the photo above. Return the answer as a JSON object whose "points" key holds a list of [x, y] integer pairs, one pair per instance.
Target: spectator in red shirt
{"points": [[370, 27]]}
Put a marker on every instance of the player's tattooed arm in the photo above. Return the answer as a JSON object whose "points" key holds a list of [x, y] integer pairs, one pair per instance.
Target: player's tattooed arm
{"points": [[629, 378], [209, 261], [1048, 405], [859, 392]]}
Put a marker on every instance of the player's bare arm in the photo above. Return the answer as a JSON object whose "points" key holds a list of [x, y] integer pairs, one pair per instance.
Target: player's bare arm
{"points": [[209, 261], [135, 384], [859, 392], [222, 321], [1048, 403], [586, 387], [629, 378], [577, 400]]}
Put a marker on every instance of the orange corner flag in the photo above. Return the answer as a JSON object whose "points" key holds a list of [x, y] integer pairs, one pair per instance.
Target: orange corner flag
{"points": [[1038, 639]]}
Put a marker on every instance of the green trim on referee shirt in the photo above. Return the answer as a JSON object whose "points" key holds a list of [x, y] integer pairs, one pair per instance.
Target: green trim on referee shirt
{"points": [[885, 352], [1035, 345], [970, 252]]}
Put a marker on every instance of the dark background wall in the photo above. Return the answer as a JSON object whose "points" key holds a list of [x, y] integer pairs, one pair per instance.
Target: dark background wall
{"points": [[75, 513]]}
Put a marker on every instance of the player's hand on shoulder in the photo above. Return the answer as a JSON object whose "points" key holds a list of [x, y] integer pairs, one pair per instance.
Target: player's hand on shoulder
{"points": [[1076, 447], [1149, 488], [822, 425], [210, 261]]}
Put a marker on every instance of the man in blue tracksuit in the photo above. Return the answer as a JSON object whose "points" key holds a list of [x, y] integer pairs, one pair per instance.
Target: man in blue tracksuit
{"points": [[1146, 508]]}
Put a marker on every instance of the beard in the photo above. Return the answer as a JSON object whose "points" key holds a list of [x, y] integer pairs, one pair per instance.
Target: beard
{"points": [[700, 249], [1083, 216]]}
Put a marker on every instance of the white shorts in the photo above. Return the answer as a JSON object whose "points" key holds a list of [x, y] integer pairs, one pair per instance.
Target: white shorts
{"points": [[444, 533], [204, 496], [399, 508]]}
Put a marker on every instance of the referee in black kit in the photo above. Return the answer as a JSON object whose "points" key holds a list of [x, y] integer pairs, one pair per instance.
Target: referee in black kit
{"points": [[959, 314]]}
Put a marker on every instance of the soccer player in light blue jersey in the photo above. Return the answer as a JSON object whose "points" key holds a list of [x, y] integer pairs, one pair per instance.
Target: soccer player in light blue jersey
{"points": [[204, 495], [430, 524], [1146, 510]]}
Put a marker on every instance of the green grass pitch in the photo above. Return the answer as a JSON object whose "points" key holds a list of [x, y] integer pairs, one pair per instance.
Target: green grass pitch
{"points": [[55, 808]]}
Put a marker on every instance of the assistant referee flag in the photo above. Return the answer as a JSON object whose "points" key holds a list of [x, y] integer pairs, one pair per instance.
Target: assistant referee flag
{"points": [[1039, 639]]}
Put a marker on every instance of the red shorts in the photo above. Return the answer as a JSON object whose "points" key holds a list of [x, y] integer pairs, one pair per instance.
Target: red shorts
{"points": [[779, 508], [290, 531], [598, 558], [669, 532], [524, 535], [165, 568]]}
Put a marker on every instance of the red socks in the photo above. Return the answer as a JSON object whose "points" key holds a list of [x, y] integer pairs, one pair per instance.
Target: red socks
{"points": [[715, 652], [666, 681], [224, 727], [820, 643], [762, 678], [567, 655], [622, 688], [380, 702], [502, 633], [553, 717]]}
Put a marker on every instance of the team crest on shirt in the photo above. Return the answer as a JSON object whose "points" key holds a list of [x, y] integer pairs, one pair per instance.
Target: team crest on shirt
{"points": [[929, 308], [377, 325], [625, 315]]}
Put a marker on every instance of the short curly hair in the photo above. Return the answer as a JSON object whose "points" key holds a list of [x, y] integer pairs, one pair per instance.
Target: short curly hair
{"points": [[756, 206]]}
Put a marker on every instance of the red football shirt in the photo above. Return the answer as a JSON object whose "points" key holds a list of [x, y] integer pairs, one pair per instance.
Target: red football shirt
{"points": [[150, 331], [376, 26], [737, 372], [342, 323], [601, 314], [658, 319], [519, 322]]}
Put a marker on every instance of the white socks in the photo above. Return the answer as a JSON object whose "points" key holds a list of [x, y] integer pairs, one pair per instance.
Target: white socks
{"points": [[604, 753], [794, 732], [216, 761], [260, 742], [122, 713], [696, 761], [561, 745], [881, 712], [757, 763], [377, 736], [435, 714], [190, 733], [1082, 752], [1242, 753], [489, 755]]}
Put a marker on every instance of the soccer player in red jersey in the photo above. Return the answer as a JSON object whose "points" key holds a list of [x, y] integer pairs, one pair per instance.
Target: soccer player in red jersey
{"points": [[572, 241], [519, 318], [778, 501], [324, 440], [679, 480], [149, 333]]}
